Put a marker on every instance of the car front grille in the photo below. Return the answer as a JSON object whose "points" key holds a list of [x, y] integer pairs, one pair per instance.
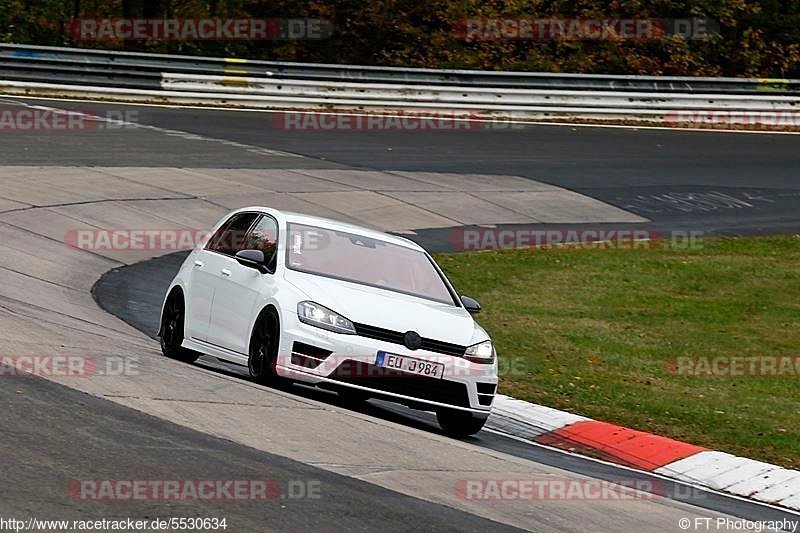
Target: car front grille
{"points": [[396, 337], [405, 383]]}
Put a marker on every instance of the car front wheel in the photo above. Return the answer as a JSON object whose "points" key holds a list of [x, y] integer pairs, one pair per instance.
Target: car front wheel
{"points": [[264, 349], [459, 423], [172, 321]]}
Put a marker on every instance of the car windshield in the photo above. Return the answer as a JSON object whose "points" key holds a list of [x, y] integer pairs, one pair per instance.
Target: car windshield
{"points": [[364, 260]]}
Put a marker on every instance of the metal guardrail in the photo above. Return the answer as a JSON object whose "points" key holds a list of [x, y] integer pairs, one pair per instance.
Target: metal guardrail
{"points": [[66, 63], [139, 77]]}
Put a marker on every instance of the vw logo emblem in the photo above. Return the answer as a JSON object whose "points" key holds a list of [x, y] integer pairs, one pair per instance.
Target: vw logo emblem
{"points": [[413, 340]]}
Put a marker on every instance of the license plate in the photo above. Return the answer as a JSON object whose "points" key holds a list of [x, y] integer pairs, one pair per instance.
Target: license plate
{"points": [[403, 363]]}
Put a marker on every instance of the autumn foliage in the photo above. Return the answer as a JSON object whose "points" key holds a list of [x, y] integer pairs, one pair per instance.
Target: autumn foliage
{"points": [[758, 38]]}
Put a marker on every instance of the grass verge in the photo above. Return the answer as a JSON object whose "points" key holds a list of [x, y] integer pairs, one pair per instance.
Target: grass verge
{"points": [[592, 332]]}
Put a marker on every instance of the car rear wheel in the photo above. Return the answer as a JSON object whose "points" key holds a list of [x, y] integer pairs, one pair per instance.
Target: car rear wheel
{"points": [[172, 321], [264, 348], [459, 423]]}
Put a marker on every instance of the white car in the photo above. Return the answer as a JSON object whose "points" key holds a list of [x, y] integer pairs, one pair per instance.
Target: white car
{"points": [[346, 308]]}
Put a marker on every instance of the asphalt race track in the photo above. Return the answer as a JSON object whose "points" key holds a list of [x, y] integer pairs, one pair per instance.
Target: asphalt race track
{"points": [[729, 183], [378, 467]]}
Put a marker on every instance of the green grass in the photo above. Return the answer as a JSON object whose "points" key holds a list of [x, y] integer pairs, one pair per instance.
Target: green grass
{"points": [[589, 332]]}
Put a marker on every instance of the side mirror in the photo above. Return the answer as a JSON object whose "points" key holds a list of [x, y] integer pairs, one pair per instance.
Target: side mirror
{"points": [[252, 259], [472, 306]]}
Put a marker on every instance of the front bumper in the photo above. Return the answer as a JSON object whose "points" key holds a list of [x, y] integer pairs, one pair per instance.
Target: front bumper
{"points": [[335, 361]]}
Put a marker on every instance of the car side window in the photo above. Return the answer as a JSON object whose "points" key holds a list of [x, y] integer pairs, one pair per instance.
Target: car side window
{"points": [[264, 237], [230, 237]]}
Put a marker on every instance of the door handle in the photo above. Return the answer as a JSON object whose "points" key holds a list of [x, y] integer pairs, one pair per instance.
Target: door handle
{"points": [[225, 272], [198, 264]]}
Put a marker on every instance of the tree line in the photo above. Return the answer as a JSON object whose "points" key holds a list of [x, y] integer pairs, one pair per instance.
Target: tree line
{"points": [[758, 38]]}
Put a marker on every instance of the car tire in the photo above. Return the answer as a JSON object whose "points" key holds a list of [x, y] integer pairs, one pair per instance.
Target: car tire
{"points": [[171, 333], [264, 344], [459, 423]]}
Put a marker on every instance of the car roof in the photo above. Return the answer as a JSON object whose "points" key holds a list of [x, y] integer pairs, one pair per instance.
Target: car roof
{"points": [[336, 225]]}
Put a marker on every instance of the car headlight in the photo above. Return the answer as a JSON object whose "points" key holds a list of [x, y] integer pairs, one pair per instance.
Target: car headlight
{"points": [[480, 349], [483, 352], [314, 314]]}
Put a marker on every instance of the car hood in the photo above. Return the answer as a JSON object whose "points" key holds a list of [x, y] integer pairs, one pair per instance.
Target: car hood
{"points": [[387, 309]]}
